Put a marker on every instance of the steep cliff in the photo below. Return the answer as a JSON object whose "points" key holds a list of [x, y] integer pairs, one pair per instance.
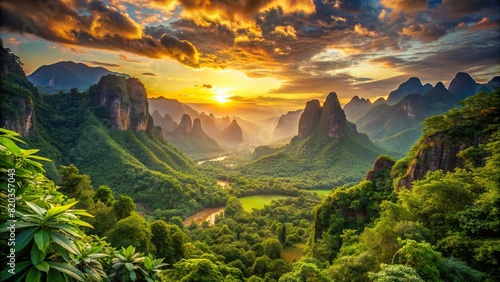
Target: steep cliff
{"points": [[452, 139], [309, 118], [126, 102], [328, 149], [17, 111]]}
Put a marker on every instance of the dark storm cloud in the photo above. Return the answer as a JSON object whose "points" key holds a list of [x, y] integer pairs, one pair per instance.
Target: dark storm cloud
{"points": [[92, 24]]}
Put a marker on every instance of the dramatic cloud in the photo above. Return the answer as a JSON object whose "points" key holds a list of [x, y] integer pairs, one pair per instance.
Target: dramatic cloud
{"points": [[426, 32], [408, 6], [91, 24]]}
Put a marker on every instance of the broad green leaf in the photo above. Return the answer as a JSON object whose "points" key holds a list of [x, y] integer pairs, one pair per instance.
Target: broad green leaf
{"points": [[129, 266], [133, 276], [34, 275], [24, 238], [20, 266], [55, 276], [40, 211], [81, 223], [64, 242], [68, 269], [42, 240], [67, 228], [43, 266], [37, 256], [10, 145], [81, 212], [58, 210]]}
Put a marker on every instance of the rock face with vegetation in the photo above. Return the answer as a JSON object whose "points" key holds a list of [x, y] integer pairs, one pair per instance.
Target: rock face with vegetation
{"points": [[17, 110], [327, 146], [126, 102], [309, 119], [453, 140]]}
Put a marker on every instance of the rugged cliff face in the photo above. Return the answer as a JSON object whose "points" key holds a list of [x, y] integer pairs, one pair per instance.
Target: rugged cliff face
{"points": [[126, 101], [334, 117], [17, 111], [439, 151], [309, 118], [381, 165], [446, 136]]}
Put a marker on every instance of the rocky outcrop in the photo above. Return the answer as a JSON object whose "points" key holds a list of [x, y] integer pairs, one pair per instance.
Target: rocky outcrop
{"points": [[439, 151], [356, 108], [333, 117], [287, 125], [462, 86], [232, 135], [17, 110], [126, 102], [23, 121], [381, 165], [309, 118], [411, 86]]}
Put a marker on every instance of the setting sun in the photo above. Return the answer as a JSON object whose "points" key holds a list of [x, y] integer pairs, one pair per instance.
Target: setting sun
{"points": [[221, 99]]}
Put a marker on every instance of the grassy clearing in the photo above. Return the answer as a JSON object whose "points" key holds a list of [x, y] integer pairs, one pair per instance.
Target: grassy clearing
{"points": [[321, 193], [259, 201], [293, 253]]}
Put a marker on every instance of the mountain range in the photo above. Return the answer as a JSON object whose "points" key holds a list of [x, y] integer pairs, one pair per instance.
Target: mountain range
{"points": [[327, 149]]}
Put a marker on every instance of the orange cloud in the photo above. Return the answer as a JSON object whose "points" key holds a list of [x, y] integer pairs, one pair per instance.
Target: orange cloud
{"points": [[406, 6], [287, 31], [361, 30]]}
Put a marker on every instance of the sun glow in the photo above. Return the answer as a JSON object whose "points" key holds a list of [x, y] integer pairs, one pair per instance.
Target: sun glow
{"points": [[221, 99], [221, 95]]}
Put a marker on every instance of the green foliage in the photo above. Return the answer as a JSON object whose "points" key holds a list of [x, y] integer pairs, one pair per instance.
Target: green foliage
{"points": [[233, 207], [421, 257], [306, 270], [124, 207], [272, 248], [395, 273], [170, 241], [133, 230], [201, 270]]}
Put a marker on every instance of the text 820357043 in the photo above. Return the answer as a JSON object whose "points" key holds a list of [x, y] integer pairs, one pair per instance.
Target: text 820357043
{"points": [[11, 210]]}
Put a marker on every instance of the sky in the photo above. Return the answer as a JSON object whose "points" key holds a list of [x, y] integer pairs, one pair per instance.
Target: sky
{"points": [[266, 56]]}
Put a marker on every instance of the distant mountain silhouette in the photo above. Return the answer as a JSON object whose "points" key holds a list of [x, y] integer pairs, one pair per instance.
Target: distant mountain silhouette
{"points": [[287, 126], [232, 135], [63, 76], [411, 86], [357, 107]]}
